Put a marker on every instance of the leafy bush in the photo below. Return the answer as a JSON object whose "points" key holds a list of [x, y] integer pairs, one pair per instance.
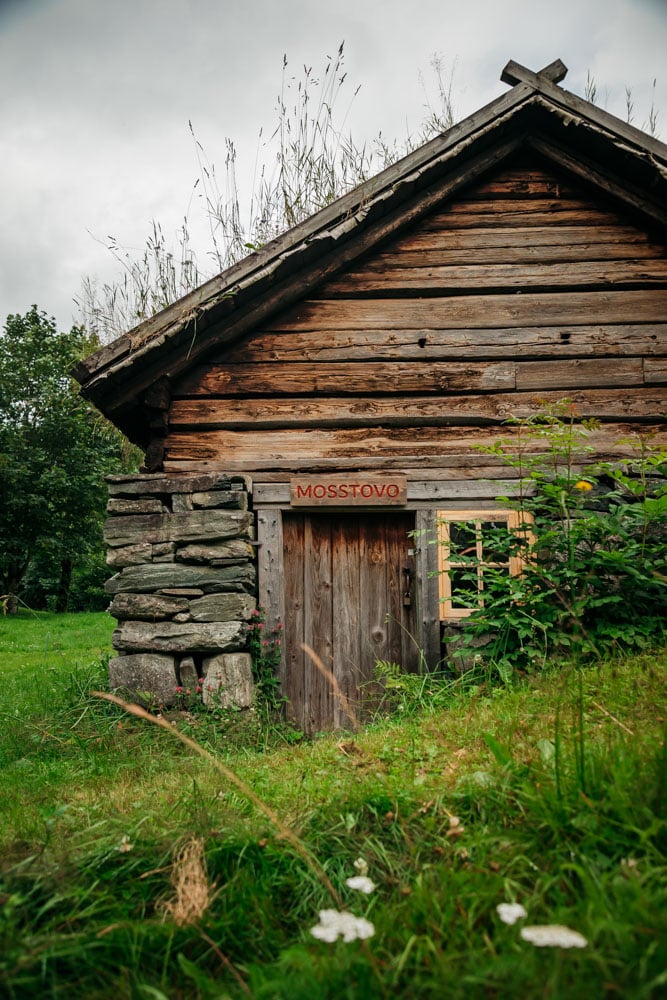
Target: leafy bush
{"points": [[592, 543]]}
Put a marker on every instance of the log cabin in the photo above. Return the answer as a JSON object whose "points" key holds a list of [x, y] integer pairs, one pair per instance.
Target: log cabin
{"points": [[341, 381]]}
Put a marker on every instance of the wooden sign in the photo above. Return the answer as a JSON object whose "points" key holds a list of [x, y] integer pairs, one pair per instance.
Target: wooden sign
{"points": [[348, 491]]}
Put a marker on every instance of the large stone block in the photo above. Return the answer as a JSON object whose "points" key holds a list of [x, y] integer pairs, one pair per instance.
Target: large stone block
{"points": [[222, 608], [144, 677], [235, 550], [130, 555], [181, 502], [221, 498], [180, 637], [160, 576], [187, 672], [188, 526], [144, 505], [147, 607], [228, 680], [151, 484]]}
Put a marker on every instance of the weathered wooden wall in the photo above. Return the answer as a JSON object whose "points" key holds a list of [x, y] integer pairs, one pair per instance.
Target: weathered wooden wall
{"points": [[528, 290]]}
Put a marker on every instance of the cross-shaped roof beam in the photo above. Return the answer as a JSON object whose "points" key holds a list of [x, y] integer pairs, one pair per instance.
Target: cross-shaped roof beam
{"points": [[514, 72]]}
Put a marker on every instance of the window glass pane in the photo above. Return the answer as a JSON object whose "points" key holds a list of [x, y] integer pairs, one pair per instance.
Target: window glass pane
{"points": [[462, 539], [464, 588], [495, 541]]}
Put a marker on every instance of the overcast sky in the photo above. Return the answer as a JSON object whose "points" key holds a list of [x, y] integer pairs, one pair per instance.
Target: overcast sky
{"points": [[97, 95]]}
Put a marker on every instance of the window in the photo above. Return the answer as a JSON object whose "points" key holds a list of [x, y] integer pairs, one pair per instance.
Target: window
{"points": [[471, 542]]}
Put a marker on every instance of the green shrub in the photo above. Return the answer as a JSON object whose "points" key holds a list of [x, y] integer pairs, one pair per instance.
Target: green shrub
{"points": [[592, 541]]}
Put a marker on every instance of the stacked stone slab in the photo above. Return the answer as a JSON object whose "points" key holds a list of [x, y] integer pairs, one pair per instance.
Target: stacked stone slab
{"points": [[185, 587]]}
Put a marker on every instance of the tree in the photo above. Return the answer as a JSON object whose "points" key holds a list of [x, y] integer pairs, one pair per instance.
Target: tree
{"points": [[54, 452]]}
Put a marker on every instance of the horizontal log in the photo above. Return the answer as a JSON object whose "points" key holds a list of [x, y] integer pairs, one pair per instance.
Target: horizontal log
{"points": [[434, 466], [458, 468], [505, 276], [459, 345], [521, 184], [549, 214], [584, 372], [418, 411], [470, 202], [655, 371], [511, 236], [361, 448], [174, 576], [190, 526], [478, 311], [301, 377], [177, 637], [274, 379], [520, 253]]}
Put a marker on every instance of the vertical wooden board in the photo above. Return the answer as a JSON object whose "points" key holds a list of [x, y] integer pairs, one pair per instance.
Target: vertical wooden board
{"points": [[396, 551], [347, 613], [427, 588], [293, 568], [407, 615], [318, 620], [372, 600]]}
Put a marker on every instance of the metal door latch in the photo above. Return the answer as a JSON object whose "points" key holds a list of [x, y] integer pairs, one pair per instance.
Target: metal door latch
{"points": [[407, 587]]}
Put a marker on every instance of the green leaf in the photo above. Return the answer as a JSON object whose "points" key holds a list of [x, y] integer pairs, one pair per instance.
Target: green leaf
{"points": [[500, 752]]}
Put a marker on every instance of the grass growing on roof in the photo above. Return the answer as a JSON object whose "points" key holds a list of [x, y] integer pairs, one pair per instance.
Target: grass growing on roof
{"points": [[549, 794]]}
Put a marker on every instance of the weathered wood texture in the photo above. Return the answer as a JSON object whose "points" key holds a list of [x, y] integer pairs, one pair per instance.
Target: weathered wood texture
{"points": [[411, 448], [528, 290], [344, 592]]}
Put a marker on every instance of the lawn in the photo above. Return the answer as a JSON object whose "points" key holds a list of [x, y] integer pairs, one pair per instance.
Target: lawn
{"points": [[136, 865]]}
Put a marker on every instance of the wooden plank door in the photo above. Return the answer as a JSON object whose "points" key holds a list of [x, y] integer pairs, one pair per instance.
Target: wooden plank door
{"points": [[346, 578]]}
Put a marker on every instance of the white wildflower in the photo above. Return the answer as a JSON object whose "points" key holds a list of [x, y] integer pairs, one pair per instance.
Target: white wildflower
{"points": [[360, 882], [361, 866], [333, 925], [553, 936], [509, 913], [125, 845]]}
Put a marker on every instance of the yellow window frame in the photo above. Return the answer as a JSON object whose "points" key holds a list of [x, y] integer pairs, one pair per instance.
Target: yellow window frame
{"points": [[517, 521]]}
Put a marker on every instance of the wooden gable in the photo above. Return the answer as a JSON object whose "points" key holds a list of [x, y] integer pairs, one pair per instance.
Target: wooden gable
{"points": [[527, 288], [465, 201]]}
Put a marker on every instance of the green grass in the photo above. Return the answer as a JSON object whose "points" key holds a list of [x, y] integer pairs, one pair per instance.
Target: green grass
{"points": [[558, 784]]}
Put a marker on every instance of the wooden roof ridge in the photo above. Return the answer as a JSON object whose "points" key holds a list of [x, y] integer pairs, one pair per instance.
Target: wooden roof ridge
{"points": [[116, 376]]}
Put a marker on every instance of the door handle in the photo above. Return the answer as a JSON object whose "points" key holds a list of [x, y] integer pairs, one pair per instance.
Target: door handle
{"points": [[407, 587]]}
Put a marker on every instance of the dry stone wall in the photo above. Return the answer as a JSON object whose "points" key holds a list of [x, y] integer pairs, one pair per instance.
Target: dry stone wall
{"points": [[185, 586]]}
